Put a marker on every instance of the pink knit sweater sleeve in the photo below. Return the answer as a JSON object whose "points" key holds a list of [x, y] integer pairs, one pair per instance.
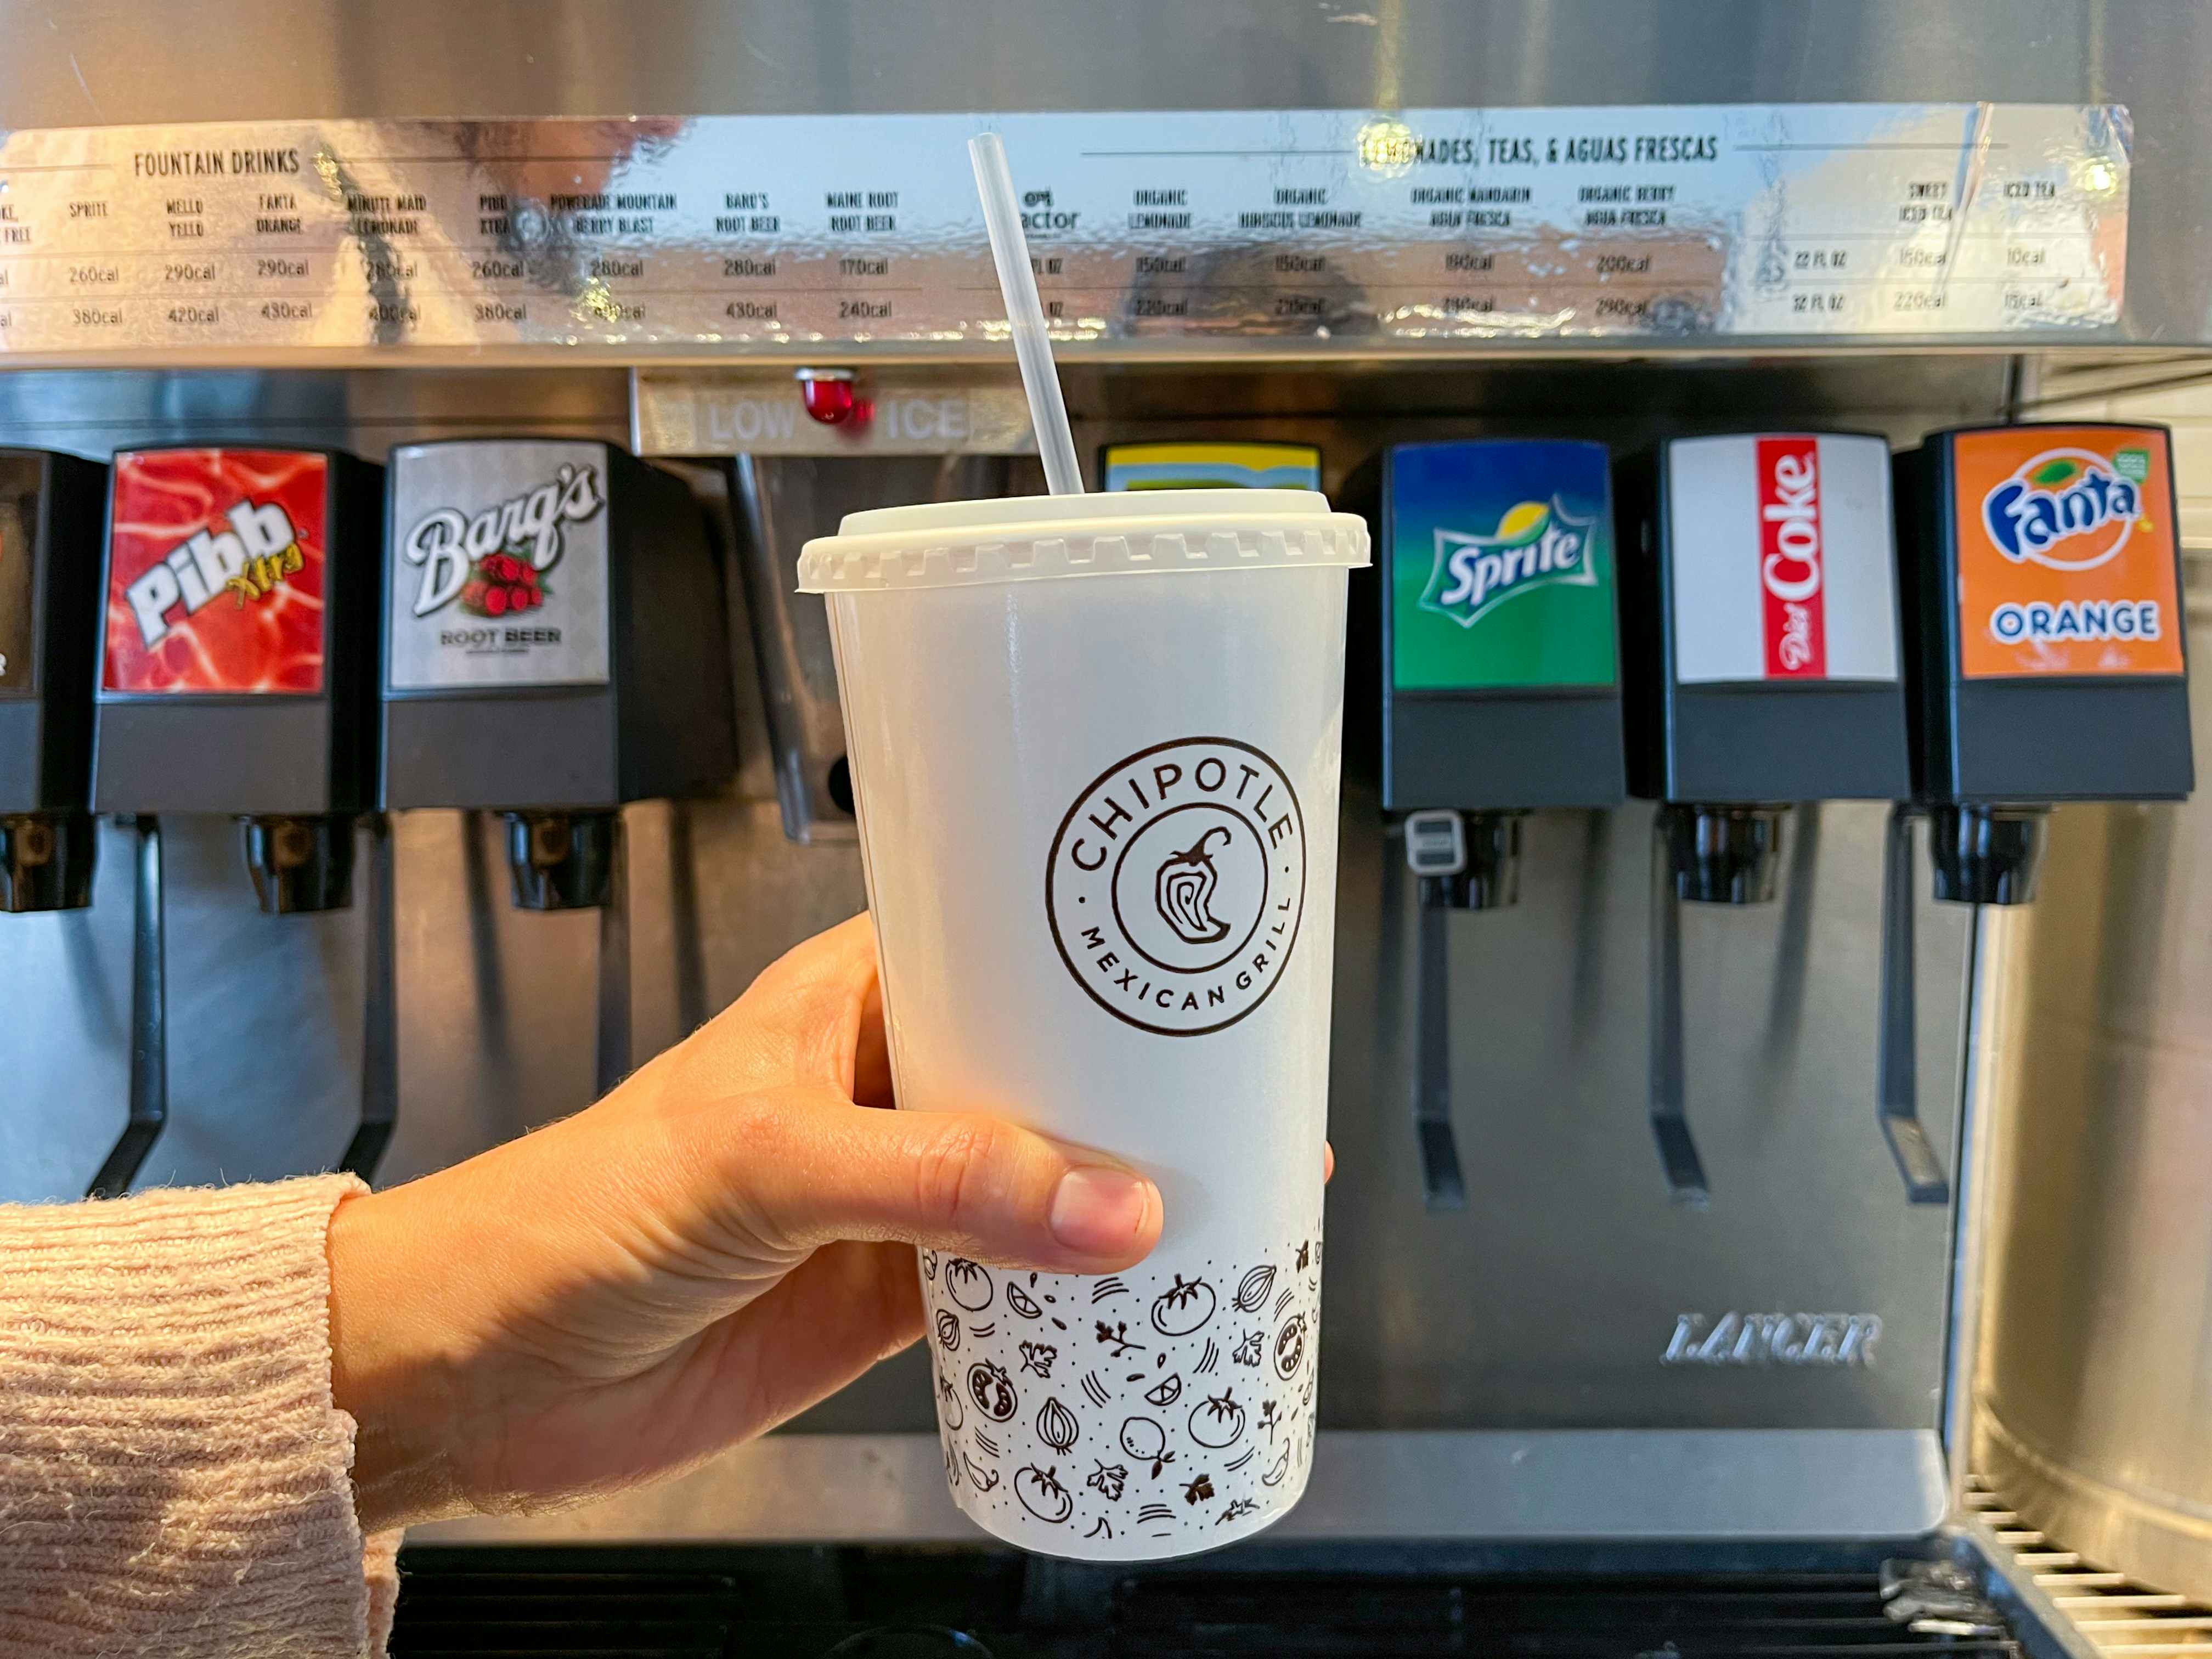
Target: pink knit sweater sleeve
{"points": [[173, 1475]]}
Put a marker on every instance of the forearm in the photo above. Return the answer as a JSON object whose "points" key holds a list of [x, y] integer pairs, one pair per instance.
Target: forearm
{"points": [[174, 1475]]}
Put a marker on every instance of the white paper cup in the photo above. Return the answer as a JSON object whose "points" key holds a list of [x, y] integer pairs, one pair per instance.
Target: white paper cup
{"points": [[1095, 744]]}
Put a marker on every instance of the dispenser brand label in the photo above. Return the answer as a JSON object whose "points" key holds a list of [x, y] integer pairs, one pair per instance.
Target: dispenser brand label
{"points": [[1501, 566], [19, 521], [215, 572], [1212, 466], [1783, 558], [2066, 552], [498, 566]]}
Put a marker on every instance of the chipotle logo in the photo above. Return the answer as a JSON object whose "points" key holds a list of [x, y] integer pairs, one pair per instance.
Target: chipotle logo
{"points": [[1789, 558], [1175, 883]]}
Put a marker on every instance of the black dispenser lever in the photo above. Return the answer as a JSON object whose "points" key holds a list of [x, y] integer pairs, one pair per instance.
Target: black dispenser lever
{"points": [[1670, 1123], [1898, 1074], [1436, 852], [379, 1035], [149, 1034]]}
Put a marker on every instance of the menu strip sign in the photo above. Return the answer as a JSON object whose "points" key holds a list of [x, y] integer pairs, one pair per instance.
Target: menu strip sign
{"points": [[1330, 229]]}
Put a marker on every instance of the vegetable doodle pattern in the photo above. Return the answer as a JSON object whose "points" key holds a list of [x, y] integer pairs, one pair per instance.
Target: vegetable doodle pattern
{"points": [[1189, 1423]]}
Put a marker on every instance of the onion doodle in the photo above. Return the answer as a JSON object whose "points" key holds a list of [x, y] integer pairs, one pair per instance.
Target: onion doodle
{"points": [[1183, 888], [1254, 1289], [953, 1411], [1056, 1426], [948, 1331]]}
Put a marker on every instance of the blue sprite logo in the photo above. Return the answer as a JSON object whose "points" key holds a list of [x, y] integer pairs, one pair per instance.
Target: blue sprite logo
{"points": [[1536, 544]]}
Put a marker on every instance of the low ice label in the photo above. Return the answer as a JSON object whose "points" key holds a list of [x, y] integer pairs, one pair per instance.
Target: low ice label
{"points": [[1500, 560], [2066, 552], [498, 566], [1175, 883], [215, 572], [1783, 558]]}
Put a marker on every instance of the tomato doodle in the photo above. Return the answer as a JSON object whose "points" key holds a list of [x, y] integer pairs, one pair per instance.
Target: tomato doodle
{"points": [[1041, 1494], [993, 1391], [1183, 1307], [968, 1283]]}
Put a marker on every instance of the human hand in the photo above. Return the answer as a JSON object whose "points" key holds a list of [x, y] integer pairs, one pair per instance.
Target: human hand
{"points": [[721, 1242]]}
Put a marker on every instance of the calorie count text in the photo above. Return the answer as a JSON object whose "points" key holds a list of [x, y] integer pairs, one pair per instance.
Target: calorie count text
{"points": [[1314, 285]]}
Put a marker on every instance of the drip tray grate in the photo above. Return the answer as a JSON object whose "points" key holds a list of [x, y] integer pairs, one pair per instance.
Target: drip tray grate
{"points": [[2118, 1616]]}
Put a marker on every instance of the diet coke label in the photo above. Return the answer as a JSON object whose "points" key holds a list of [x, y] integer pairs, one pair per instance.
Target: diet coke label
{"points": [[1789, 558], [1782, 559]]}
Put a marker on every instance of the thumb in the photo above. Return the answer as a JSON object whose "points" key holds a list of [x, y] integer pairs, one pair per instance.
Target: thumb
{"points": [[802, 1167]]}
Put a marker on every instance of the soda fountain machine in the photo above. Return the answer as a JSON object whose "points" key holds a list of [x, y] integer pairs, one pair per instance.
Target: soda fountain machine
{"points": [[237, 675], [1580, 232], [49, 507], [555, 646], [1764, 659], [1499, 692]]}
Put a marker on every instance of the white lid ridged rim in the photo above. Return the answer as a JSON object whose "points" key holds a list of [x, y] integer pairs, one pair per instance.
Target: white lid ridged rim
{"points": [[1035, 537]]}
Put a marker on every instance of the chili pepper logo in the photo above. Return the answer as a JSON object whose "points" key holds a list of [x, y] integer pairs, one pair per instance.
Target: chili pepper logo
{"points": [[1185, 883]]}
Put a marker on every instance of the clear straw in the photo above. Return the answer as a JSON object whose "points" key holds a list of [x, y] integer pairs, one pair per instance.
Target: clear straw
{"points": [[1010, 252]]}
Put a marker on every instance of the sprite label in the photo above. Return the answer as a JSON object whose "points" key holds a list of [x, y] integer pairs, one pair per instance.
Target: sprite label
{"points": [[1501, 566]]}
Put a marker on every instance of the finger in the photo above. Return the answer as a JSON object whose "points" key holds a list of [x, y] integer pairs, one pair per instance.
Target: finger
{"points": [[872, 1063], [800, 1020], [799, 1168], [1328, 1163]]}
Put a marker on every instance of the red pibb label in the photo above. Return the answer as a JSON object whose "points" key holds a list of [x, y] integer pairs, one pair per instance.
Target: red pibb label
{"points": [[1790, 568], [215, 572]]}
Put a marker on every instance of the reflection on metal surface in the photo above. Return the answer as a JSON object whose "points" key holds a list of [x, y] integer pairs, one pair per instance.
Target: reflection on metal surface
{"points": [[1336, 230], [1625, 1484], [2096, 1356]]}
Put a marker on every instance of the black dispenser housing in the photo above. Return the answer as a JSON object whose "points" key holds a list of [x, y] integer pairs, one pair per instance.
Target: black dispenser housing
{"points": [[50, 515], [1766, 661], [237, 669], [556, 644], [1490, 636], [2048, 654]]}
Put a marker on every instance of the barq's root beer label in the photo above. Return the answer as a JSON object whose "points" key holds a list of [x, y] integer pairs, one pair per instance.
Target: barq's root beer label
{"points": [[498, 569], [2066, 552], [1175, 883], [1785, 567], [215, 572]]}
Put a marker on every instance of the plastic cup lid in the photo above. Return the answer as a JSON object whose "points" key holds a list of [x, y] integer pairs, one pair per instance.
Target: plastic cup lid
{"points": [[1033, 538]]}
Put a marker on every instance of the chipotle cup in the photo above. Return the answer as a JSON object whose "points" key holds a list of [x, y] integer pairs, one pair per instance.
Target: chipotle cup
{"points": [[1095, 744]]}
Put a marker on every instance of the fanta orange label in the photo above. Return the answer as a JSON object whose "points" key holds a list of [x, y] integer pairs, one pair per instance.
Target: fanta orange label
{"points": [[2066, 552]]}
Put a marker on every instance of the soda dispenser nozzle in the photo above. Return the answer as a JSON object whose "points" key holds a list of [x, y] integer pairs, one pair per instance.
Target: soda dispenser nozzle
{"points": [[1465, 860], [46, 860], [1986, 854], [561, 861], [1723, 854], [300, 863]]}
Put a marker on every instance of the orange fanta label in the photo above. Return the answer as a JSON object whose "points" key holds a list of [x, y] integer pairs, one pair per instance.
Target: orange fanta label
{"points": [[2066, 552]]}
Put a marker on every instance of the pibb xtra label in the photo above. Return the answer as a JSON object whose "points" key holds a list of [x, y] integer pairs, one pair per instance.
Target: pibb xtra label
{"points": [[215, 572], [1175, 883], [1782, 558], [1501, 565], [2066, 552], [498, 568]]}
